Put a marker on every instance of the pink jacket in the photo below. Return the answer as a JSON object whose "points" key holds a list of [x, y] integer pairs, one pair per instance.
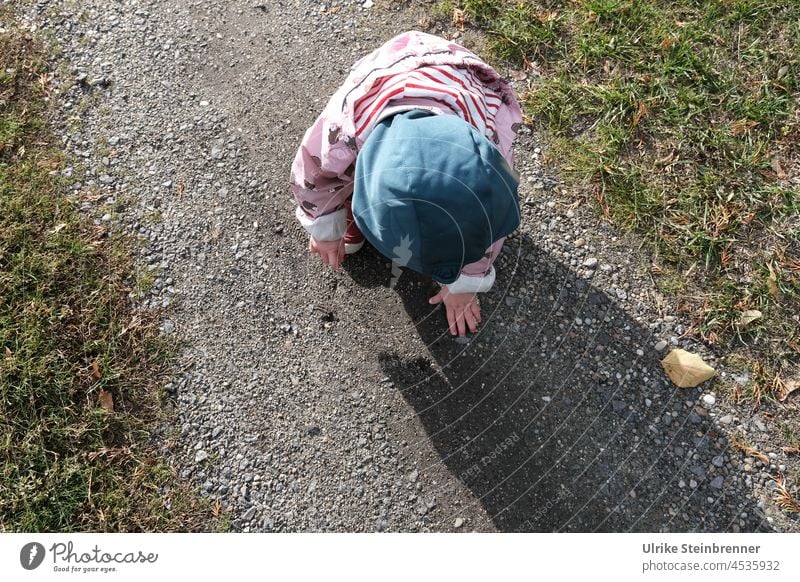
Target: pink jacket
{"points": [[411, 71]]}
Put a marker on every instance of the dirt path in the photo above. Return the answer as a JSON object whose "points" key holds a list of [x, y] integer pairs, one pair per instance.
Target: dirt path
{"points": [[314, 400]]}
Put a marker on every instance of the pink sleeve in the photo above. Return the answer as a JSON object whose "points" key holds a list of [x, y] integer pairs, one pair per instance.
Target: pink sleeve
{"points": [[322, 178], [508, 120], [483, 266], [478, 277]]}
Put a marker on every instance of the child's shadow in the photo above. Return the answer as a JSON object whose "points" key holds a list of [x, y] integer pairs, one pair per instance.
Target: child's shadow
{"points": [[558, 416]]}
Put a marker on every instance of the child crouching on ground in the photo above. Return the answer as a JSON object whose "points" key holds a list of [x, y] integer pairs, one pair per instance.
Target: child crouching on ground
{"points": [[413, 154]]}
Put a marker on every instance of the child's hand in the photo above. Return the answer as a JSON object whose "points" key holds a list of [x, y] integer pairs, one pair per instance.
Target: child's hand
{"points": [[330, 251], [462, 310]]}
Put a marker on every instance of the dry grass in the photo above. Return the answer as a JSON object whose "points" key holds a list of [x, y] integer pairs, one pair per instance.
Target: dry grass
{"points": [[79, 368], [783, 497]]}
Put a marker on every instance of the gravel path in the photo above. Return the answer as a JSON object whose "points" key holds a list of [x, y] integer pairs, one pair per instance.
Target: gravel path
{"points": [[317, 401]]}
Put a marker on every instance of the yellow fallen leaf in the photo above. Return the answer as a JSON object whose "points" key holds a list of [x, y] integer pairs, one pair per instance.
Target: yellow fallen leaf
{"points": [[668, 42], [776, 165], [96, 370], [772, 283], [685, 369], [106, 400], [749, 316], [789, 387]]}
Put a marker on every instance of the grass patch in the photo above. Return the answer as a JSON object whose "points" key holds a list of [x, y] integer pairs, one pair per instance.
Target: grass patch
{"points": [[79, 369], [680, 121]]}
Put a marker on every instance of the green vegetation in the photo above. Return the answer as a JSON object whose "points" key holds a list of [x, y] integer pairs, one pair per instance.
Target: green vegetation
{"points": [[79, 369], [679, 120]]}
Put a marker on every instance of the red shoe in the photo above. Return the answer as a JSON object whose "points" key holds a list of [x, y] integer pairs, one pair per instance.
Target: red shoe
{"points": [[353, 238]]}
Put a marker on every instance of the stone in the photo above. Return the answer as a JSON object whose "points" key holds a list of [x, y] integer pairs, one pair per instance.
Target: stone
{"points": [[698, 470], [249, 514]]}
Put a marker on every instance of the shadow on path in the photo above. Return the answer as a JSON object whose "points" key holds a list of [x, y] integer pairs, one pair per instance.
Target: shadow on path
{"points": [[560, 426]]}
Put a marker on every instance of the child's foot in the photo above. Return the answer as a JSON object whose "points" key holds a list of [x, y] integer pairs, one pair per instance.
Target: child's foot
{"points": [[353, 238], [350, 248]]}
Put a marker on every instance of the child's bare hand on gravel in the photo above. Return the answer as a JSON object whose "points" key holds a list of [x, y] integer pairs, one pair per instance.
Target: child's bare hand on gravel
{"points": [[463, 311], [330, 251]]}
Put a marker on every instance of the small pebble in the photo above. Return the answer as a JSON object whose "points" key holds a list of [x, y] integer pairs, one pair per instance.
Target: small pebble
{"points": [[249, 514]]}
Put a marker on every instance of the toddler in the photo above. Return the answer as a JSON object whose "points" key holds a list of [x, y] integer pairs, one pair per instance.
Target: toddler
{"points": [[413, 154]]}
